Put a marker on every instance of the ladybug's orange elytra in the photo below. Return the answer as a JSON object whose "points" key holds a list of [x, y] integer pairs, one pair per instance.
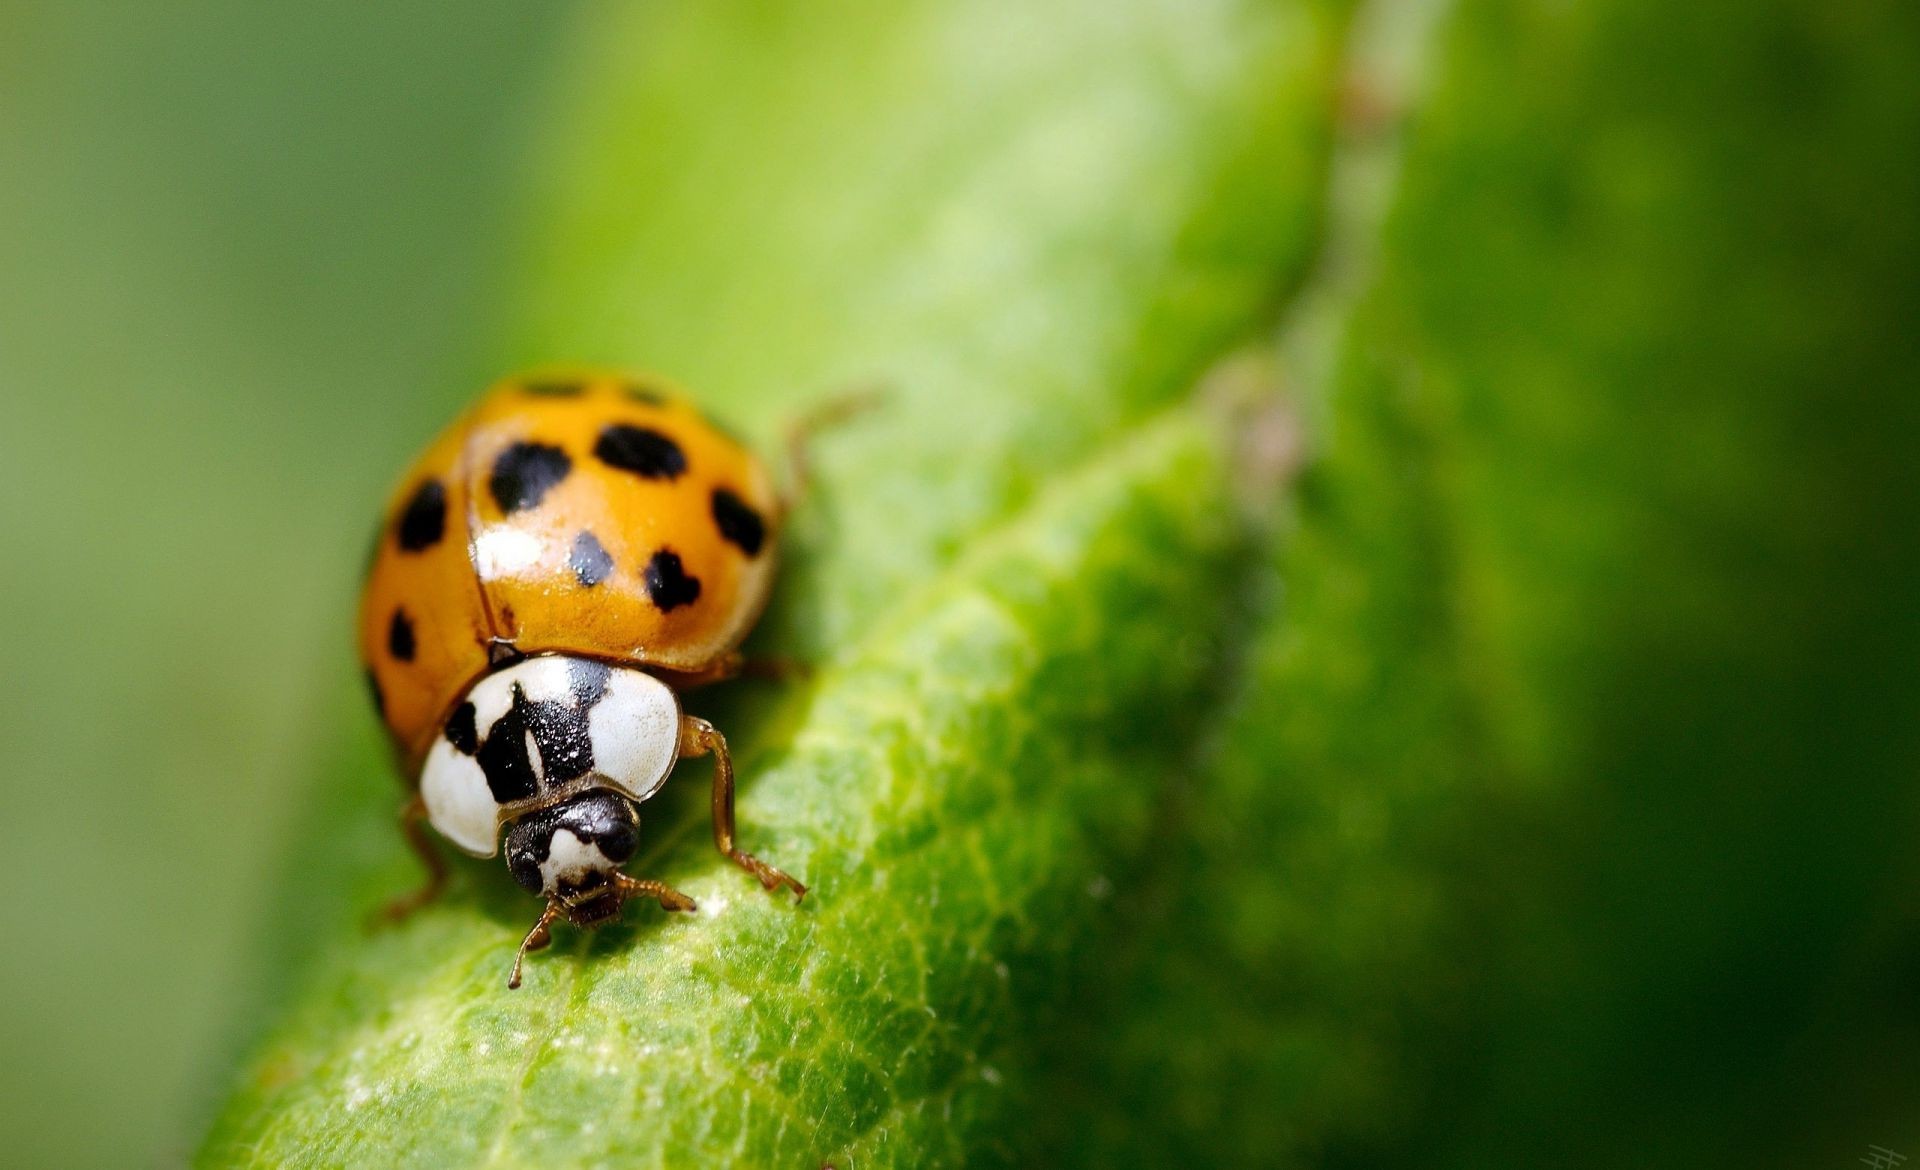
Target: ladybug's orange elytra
{"points": [[591, 515]]}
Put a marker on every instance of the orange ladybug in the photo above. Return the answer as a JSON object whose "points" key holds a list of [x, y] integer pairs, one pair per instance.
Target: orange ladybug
{"points": [[556, 567]]}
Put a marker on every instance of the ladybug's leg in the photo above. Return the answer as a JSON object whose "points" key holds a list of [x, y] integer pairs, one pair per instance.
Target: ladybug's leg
{"points": [[698, 738], [670, 898], [413, 827], [536, 939], [802, 431], [735, 665], [775, 668]]}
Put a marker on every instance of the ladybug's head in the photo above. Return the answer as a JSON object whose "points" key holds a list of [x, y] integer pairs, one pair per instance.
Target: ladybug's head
{"points": [[571, 853]]}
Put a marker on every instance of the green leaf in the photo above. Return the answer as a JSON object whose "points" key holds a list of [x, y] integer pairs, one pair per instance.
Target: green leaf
{"points": [[1513, 800], [1564, 811], [1019, 581], [957, 790], [1651, 296]]}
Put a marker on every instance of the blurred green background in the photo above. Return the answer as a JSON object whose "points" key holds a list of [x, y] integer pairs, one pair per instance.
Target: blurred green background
{"points": [[245, 251], [1648, 516]]}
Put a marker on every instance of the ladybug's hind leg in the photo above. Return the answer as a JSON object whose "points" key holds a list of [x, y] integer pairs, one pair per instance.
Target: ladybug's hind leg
{"points": [[413, 817], [802, 432], [698, 738]]}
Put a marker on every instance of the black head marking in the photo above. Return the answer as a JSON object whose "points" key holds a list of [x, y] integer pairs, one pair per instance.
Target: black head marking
{"points": [[667, 582], [606, 820], [529, 843], [424, 519], [589, 559], [642, 450], [554, 387], [738, 522], [379, 699], [588, 681], [524, 473], [400, 641], [461, 732]]}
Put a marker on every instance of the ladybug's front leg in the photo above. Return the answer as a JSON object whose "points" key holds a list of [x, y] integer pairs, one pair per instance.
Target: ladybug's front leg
{"points": [[668, 897], [698, 738]]}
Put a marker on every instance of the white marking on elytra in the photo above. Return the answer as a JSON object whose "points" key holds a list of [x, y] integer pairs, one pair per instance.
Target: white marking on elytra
{"points": [[505, 551]]}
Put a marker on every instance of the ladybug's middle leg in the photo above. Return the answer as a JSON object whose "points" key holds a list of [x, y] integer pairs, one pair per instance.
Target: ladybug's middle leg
{"points": [[698, 738], [734, 665], [775, 668], [413, 818]]}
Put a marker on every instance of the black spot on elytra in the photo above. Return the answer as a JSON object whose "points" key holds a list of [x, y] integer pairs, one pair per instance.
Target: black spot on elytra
{"points": [[554, 387], [667, 582], [643, 394], [738, 522], [645, 452], [460, 730], [587, 680], [424, 520], [379, 699], [589, 559], [524, 473], [400, 636]]}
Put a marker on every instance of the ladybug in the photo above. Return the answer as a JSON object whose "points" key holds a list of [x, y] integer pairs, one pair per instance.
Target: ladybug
{"points": [[556, 567]]}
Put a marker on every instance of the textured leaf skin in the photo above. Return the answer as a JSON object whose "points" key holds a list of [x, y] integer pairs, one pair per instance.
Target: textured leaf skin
{"points": [[1031, 224], [1567, 812], [1011, 727], [1019, 584], [1670, 384]]}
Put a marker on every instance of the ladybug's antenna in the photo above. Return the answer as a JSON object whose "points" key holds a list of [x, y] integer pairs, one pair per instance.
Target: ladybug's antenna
{"points": [[536, 939]]}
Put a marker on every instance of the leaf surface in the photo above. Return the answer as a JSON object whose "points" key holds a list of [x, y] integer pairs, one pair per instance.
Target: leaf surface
{"points": [[1018, 581], [1137, 834]]}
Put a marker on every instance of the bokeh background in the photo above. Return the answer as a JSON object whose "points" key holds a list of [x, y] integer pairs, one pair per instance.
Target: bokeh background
{"points": [[249, 256], [246, 262]]}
